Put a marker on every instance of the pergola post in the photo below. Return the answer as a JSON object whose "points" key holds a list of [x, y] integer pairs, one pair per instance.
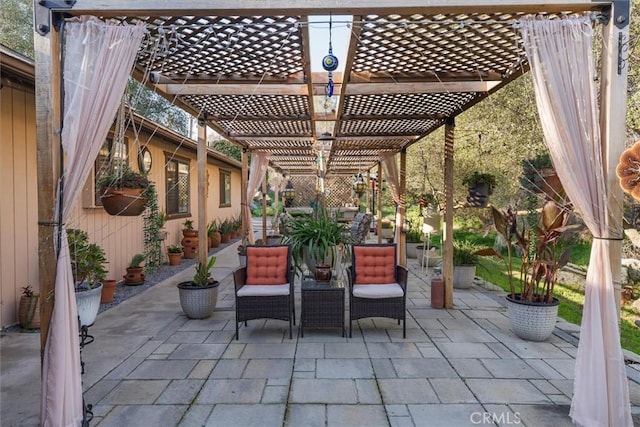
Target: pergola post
{"points": [[379, 204], [244, 177], [613, 88], [48, 113], [264, 208], [402, 209], [447, 234], [203, 246]]}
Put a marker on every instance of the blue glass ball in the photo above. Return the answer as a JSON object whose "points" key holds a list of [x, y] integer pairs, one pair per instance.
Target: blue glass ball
{"points": [[330, 62]]}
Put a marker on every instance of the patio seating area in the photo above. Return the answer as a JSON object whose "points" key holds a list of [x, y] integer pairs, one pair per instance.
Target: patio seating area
{"points": [[151, 366]]}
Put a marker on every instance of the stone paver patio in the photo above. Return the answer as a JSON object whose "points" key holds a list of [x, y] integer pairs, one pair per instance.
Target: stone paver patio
{"points": [[151, 366]]}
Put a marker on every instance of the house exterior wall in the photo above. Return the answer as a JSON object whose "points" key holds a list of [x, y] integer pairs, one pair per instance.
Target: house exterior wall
{"points": [[19, 206], [120, 237]]}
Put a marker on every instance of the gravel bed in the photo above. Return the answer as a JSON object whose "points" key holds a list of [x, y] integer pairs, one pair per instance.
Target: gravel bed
{"points": [[165, 271]]}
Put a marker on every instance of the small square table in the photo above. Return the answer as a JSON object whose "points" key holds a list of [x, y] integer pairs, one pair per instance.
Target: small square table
{"points": [[322, 305]]}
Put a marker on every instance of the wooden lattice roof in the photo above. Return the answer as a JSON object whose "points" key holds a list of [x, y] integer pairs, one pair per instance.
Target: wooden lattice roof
{"points": [[246, 69]]}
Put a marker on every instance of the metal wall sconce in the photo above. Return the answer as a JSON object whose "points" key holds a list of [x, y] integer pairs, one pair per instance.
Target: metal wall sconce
{"points": [[359, 186], [288, 194]]}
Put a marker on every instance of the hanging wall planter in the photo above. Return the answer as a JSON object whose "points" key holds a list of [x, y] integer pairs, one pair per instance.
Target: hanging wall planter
{"points": [[480, 186], [123, 192]]}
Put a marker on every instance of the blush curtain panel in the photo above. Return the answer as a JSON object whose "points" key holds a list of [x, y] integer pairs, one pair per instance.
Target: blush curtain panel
{"points": [[97, 62], [390, 169], [560, 54], [257, 173]]}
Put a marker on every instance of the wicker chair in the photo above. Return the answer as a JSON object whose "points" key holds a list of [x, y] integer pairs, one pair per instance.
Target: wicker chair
{"points": [[264, 288], [377, 284]]}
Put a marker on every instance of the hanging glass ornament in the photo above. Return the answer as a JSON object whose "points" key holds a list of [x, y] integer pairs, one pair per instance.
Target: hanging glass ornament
{"points": [[330, 64]]}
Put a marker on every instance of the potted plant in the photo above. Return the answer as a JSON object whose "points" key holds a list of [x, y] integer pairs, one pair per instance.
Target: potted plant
{"points": [[108, 290], [135, 275], [174, 252], [386, 229], [199, 296], [190, 239], [123, 192], [531, 307], [87, 266], [465, 260], [213, 231], [480, 186], [539, 176], [226, 228], [414, 238], [29, 309], [314, 240]]}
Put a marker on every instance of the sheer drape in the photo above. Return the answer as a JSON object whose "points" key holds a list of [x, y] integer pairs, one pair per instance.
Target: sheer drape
{"points": [[390, 169], [560, 54], [98, 61], [259, 162]]}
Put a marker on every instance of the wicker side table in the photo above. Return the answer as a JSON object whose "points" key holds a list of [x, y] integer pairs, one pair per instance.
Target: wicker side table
{"points": [[322, 305]]}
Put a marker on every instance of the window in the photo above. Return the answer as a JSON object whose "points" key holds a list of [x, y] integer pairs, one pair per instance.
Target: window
{"points": [[177, 181], [112, 156], [225, 188]]}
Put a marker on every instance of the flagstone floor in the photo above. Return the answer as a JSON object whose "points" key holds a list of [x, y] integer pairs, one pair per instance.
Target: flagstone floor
{"points": [[151, 366]]}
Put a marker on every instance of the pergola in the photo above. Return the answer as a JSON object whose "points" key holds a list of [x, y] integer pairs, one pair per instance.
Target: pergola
{"points": [[245, 69]]}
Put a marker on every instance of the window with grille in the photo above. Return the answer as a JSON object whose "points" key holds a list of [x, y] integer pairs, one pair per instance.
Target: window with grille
{"points": [[177, 184]]}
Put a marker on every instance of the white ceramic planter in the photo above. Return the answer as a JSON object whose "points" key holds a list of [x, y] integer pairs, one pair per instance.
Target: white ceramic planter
{"points": [[532, 321], [88, 304], [463, 276]]}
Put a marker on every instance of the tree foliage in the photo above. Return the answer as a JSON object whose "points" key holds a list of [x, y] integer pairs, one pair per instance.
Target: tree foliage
{"points": [[154, 107], [16, 29], [227, 148]]}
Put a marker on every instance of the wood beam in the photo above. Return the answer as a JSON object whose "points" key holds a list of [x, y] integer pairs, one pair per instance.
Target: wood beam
{"points": [[422, 87], [447, 235], [203, 247], [254, 89], [613, 88], [315, 7], [244, 181], [48, 113], [429, 76], [402, 210]]}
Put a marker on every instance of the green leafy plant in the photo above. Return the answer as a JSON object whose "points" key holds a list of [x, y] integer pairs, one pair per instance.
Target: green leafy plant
{"points": [[479, 178], [542, 249], [213, 227], [465, 253], [187, 225], [174, 249], [87, 260], [203, 272], [136, 260], [123, 178], [227, 226], [320, 235], [28, 292]]}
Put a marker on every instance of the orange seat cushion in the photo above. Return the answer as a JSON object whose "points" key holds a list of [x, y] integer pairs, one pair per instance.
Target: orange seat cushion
{"points": [[374, 264], [267, 265]]}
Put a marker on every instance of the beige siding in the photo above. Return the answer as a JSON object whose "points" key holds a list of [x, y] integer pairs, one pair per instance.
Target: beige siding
{"points": [[18, 210], [121, 237]]}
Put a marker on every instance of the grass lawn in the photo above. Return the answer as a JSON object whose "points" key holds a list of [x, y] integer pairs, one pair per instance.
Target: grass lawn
{"points": [[571, 300]]}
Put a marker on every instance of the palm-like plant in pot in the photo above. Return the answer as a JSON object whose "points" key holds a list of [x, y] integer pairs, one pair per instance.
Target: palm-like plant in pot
{"points": [[199, 296], [533, 310], [465, 261], [315, 241], [87, 266]]}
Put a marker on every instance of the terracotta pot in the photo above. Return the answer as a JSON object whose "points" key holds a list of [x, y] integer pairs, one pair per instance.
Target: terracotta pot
{"points": [[108, 289], [189, 233], [225, 238], [175, 258], [29, 312], [123, 201], [190, 246], [216, 239], [134, 276]]}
